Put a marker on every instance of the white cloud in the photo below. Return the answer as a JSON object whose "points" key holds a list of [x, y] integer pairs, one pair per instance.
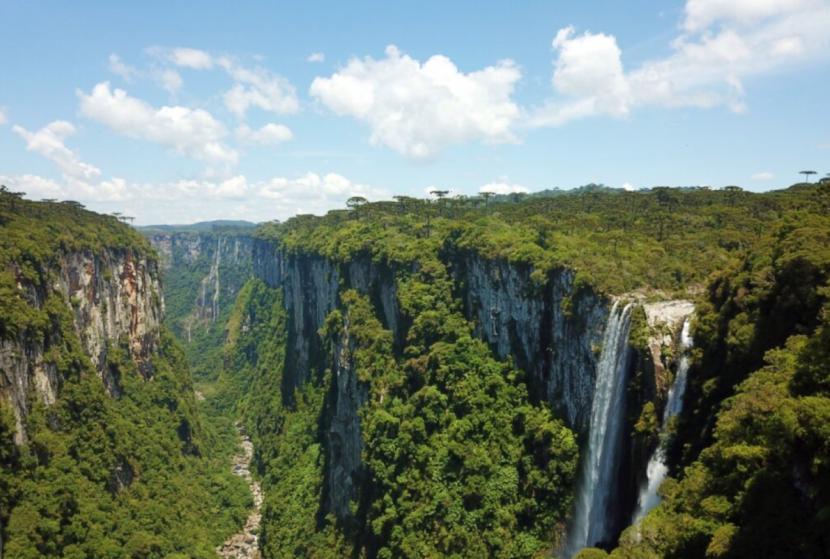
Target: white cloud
{"points": [[269, 135], [126, 72], [188, 200], [764, 176], [705, 69], [190, 58], [169, 80], [702, 13], [166, 78], [504, 186], [589, 67], [418, 109], [316, 57], [4, 117], [49, 142], [258, 87], [69, 188], [253, 87], [312, 193], [628, 187], [34, 186], [190, 132]]}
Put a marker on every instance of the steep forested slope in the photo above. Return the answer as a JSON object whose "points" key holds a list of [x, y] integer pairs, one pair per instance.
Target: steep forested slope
{"points": [[374, 320], [419, 377], [754, 441], [103, 452], [203, 271]]}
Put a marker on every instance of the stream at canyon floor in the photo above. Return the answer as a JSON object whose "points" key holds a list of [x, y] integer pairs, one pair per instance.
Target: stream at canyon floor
{"points": [[245, 544]]}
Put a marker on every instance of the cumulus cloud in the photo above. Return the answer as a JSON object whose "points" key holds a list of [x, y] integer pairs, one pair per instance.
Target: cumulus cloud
{"points": [[34, 186], [189, 132], [503, 186], [724, 42], [80, 181], [188, 200], [49, 142], [166, 78], [702, 13], [253, 87], [269, 135], [312, 190], [589, 67], [169, 80], [628, 187], [419, 108], [119, 68], [258, 87], [190, 58], [4, 117], [316, 57], [764, 176]]}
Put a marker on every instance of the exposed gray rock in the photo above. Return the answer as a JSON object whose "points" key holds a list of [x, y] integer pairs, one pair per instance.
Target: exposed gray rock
{"points": [[555, 345], [345, 439], [218, 254], [113, 296], [245, 543]]}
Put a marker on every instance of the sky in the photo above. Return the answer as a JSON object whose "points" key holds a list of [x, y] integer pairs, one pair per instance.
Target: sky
{"points": [[177, 112]]}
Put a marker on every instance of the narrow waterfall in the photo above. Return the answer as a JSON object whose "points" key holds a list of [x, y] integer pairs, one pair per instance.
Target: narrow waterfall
{"points": [[215, 271], [595, 490], [657, 468]]}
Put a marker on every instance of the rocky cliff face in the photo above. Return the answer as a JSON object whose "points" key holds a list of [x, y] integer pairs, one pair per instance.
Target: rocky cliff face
{"points": [[345, 437], [220, 263], [311, 285], [552, 331], [114, 297]]}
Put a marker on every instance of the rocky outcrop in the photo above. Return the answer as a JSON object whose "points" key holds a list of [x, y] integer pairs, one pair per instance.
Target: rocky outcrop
{"points": [[221, 260], [311, 285], [114, 297], [665, 319], [345, 438], [552, 331], [245, 543]]}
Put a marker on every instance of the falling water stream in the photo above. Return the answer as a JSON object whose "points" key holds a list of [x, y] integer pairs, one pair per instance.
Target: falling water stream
{"points": [[657, 469], [595, 490]]}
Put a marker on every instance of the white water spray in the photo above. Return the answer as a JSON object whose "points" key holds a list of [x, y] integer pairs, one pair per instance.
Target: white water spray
{"points": [[657, 469], [595, 490]]}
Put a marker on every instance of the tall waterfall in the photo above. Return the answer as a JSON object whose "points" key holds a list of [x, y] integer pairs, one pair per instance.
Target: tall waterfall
{"points": [[595, 489], [657, 468]]}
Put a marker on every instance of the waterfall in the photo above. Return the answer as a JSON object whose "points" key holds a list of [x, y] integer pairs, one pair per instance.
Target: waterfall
{"points": [[595, 490], [657, 469], [215, 270]]}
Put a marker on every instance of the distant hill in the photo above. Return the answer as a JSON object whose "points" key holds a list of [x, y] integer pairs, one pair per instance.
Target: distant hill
{"points": [[199, 226]]}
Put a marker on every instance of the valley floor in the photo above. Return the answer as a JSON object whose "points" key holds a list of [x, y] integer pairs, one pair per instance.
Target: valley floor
{"points": [[245, 543]]}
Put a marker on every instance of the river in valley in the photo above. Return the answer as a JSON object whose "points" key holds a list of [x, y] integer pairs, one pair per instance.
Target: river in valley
{"points": [[245, 543]]}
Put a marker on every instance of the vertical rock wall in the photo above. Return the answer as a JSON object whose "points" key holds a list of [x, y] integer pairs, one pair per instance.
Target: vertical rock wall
{"points": [[114, 296]]}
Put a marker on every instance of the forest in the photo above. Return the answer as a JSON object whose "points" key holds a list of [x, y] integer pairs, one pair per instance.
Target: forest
{"points": [[406, 372]]}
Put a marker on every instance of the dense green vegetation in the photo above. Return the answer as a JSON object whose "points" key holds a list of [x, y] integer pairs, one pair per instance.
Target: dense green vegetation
{"points": [[189, 317], [754, 438], [138, 476], [617, 241], [459, 462], [751, 445]]}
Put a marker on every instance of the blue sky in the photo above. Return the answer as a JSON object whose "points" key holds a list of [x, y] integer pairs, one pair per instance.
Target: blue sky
{"points": [[178, 112]]}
